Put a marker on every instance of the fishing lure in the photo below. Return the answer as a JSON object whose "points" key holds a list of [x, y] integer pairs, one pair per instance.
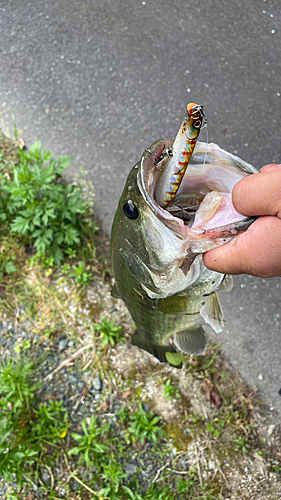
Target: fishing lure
{"points": [[177, 160]]}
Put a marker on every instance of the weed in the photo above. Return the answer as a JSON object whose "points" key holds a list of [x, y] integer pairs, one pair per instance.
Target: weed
{"points": [[242, 443], [40, 206], [184, 486], [109, 333], [24, 430], [114, 475], [131, 495], [154, 493], [213, 430], [81, 276], [123, 414], [88, 443], [7, 257], [6, 265], [16, 393], [51, 421], [15, 385], [143, 425], [171, 392]]}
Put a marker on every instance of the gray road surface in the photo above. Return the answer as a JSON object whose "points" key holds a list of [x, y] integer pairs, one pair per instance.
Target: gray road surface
{"points": [[103, 79]]}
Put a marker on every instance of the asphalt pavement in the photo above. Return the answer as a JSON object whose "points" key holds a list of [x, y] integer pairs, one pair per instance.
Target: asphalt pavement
{"points": [[103, 79]]}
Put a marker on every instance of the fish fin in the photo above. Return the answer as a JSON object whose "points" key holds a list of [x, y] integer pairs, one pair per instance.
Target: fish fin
{"points": [[191, 341], [156, 350], [212, 313], [173, 304], [114, 292], [226, 284]]}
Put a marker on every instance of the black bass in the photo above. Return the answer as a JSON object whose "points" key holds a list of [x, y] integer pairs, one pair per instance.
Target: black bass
{"points": [[157, 252]]}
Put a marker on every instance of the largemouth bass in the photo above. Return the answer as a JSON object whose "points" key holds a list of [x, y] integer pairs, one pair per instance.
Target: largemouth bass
{"points": [[157, 253]]}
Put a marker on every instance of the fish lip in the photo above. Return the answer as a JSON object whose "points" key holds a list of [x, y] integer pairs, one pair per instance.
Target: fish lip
{"points": [[148, 177], [175, 225], [151, 154]]}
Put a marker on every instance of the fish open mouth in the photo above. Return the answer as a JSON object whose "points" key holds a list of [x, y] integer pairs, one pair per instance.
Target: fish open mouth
{"points": [[203, 204]]}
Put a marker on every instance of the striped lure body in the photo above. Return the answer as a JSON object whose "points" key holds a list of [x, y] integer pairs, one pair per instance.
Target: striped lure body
{"points": [[177, 162]]}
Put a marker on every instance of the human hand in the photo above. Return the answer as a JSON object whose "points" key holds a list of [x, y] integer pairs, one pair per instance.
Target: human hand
{"points": [[258, 250]]}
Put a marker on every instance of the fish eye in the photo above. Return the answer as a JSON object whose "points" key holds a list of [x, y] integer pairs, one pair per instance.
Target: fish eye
{"points": [[130, 210], [197, 124]]}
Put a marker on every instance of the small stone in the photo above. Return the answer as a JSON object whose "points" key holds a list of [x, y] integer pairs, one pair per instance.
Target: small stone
{"points": [[97, 384], [270, 430], [73, 379], [130, 468], [62, 344], [183, 463], [260, 376], [46, 478]]}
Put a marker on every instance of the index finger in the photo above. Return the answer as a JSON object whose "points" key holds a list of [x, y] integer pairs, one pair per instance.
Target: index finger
{"points": [[256, 252]]}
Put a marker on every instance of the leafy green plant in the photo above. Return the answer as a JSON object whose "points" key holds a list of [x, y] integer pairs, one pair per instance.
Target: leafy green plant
{"points": [[143, 425], [154, 493], [88, 443], [124, 414], [216, 427], [212, 429], [242, 443], [132, 495], [15, 385], [24, 430], [171, 392], [114, 475], [109, 333], [16, 393], [6, 264], [81, 276], [14, 456], [184, 486], [39, 205], [51, 421]]}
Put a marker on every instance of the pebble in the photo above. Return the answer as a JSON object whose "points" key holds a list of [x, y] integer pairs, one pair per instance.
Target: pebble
{"points": [[97, 384], [46, 478], [63, 343], [270, 430], [130, 468], [146, 407]]}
